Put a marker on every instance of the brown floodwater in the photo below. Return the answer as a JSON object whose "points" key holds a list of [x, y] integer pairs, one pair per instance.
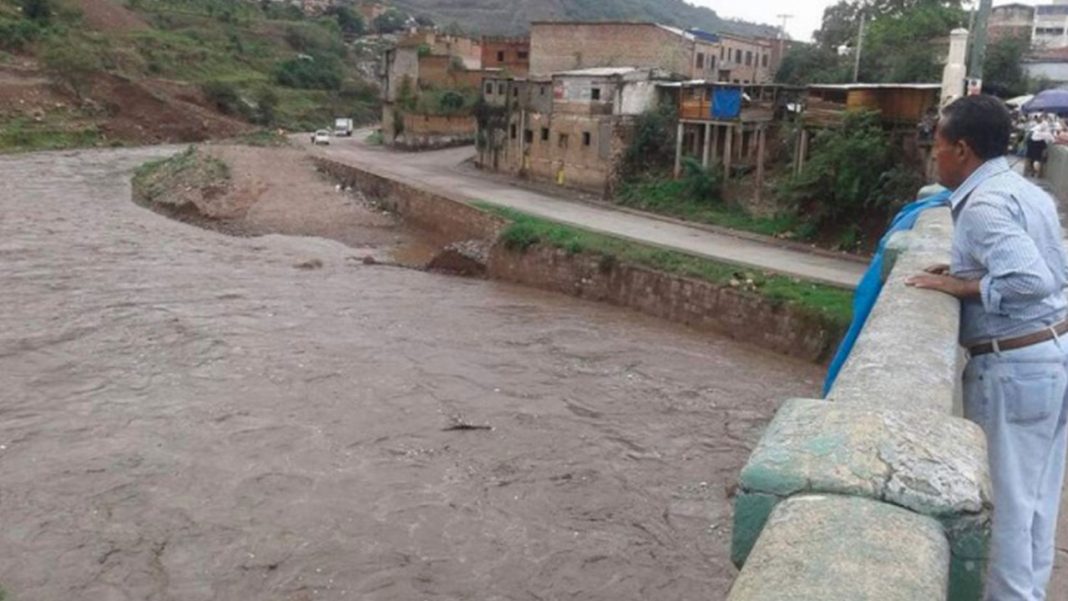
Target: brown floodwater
{"points": [[190, 416]]}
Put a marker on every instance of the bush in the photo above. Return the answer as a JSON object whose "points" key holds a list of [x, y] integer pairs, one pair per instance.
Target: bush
{"points": [[266, 103], [38, 11], [16, 35], [312, 38], [315, 73], [390, 21], [224, 95], [653, 147], [70, 64]]}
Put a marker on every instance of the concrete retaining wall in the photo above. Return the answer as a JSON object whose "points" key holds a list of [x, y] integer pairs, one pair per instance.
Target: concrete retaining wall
{"points": [[697, 303], [451, 219], [700, 304], [877, 492]]}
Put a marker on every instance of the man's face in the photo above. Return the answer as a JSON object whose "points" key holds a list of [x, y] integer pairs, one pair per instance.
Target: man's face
{"points": [[950, 157]]}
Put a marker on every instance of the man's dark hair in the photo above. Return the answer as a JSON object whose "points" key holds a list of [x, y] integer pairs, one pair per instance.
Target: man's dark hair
{"points": [[981, 121]]}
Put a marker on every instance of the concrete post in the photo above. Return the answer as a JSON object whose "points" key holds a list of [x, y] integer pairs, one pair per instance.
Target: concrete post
{"points": [[678, 150], [761, 135], [707, 145], [715, 143], [955, 72], [728, 152]]}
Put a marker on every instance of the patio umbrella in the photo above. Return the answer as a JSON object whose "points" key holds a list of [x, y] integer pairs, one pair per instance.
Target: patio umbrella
{"points": [[1019, 100], [1050, 101]]}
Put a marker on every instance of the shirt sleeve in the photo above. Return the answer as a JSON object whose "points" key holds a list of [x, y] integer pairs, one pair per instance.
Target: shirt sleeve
{"points": [[1015, 269]]}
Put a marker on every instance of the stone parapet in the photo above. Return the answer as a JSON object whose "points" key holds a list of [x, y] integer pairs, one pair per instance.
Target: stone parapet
{"points": [[878, 492]]}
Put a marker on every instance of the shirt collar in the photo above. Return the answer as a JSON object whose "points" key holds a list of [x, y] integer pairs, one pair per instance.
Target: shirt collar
{"points": [[985, 171]]}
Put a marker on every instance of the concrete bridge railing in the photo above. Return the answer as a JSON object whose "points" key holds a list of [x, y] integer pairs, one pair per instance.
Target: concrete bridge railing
{"points": [[880, 491]]}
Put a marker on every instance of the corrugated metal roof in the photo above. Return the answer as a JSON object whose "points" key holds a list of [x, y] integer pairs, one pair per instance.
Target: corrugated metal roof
{"points": [[876, 86], [600, 71]]}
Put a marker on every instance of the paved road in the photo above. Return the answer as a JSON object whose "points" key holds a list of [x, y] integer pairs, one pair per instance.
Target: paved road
{"points": [[441, 169]]}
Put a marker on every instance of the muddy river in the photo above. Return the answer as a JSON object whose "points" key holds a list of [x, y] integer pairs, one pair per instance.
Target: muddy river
{"points": [[190, 416]]}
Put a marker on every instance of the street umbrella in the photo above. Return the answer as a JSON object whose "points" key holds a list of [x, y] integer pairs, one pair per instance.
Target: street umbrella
{"points": [[1050, 101]]}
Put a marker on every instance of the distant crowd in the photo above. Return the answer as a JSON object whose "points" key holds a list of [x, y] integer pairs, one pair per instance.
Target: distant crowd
{"points": [[1034, 135]]}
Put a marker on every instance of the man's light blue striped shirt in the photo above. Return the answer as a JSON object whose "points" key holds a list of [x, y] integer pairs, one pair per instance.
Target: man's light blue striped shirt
{"points": [[1007, 235]]}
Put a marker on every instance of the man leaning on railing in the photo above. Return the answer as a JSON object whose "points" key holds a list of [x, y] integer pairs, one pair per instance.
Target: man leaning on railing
{"points": [[1009, 270]]}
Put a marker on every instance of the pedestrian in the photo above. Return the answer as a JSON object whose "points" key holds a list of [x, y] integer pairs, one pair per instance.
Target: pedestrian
{"points": [[1039, 139], [1009, 270]]}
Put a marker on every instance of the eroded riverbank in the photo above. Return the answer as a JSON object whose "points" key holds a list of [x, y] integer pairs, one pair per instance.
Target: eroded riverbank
{"points": [[189, 416]]}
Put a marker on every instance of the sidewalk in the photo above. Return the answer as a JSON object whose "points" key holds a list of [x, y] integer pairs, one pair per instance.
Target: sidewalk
{"points": [[440, 169]]}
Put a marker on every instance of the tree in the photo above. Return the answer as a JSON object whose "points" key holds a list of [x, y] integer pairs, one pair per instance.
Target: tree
{"points": [[390, 21], [1003, 71], [69, 64], [349, 21], [808, 63]]}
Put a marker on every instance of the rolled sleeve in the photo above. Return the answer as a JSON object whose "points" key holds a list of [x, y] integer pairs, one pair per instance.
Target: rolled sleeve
{"points": [[1016, 271]]}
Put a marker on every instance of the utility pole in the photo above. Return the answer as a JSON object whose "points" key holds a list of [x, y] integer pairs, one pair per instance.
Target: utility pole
{"points": [[782, 38], [860, 44], [975, 65]]}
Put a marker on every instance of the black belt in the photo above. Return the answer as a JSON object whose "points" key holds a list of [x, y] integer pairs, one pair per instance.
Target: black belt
{"points": [[1008, 344]]}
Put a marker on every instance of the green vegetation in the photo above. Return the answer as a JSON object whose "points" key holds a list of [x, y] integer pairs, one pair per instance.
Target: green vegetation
{"points": [[902, 42], [853, 173], [155, 179], [260, 62], [20, 135], [675, 198], [826, 302]]}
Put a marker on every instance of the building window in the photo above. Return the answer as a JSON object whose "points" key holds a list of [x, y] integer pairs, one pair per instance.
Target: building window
{"points": [[764, 61], [500, 89], [528, 136], [500, 56], [561, 141], [738, 56], [711, 62], [489, 89], [541, 90], [523, 55], [515, 92], [721, 52], [748, 58], [513, 131], [586, 138], [595, 94], [545, 134], [700, 60]]}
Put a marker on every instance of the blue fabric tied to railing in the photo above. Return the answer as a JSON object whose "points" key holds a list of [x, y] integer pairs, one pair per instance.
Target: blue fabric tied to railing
{"points": [[871, 284], [726, 103]]}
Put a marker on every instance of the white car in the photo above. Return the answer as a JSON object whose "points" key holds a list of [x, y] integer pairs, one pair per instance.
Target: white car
{"points": [[321, 137]]}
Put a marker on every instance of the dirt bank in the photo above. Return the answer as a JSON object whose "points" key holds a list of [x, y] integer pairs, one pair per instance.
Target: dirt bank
{"points": [[277, 191]]}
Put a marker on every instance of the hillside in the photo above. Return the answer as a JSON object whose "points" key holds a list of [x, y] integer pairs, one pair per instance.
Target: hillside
{"points": [[514, 16], [100, 72]]}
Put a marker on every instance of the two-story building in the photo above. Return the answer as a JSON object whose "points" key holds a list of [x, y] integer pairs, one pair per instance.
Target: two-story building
{"points": [[509, 54]]}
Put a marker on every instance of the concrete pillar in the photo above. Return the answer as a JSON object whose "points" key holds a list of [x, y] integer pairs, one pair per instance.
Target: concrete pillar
{"points": [[761, 147], [715, 143], [678, 150], [707, 145], [802, 150], [955, 71], [728, 152]]}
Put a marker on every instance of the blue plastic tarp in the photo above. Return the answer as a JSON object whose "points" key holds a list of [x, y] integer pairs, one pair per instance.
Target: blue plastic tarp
{"points": [[872, 283], [726, 103]]}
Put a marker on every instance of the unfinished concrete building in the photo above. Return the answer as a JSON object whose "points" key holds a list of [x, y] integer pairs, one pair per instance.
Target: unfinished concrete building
{"points": [[429, 83], [570, 129]]}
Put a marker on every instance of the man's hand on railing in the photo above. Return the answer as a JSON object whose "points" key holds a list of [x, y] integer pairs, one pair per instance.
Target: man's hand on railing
{"points": [[936, 277]]}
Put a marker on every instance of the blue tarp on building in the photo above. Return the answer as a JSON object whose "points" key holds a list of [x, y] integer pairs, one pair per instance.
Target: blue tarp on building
{"points": [[726, 103]]}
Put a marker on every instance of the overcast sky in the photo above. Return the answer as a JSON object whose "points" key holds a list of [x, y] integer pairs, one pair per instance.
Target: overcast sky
{"points": [[806, 13]]}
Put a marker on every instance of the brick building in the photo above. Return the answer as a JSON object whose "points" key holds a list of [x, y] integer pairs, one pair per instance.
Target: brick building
{"points": [[507, 53], [745, 60], [567, 46]]}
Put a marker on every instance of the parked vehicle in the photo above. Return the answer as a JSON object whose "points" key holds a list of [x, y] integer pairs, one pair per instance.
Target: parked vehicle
{"points": [[343, 127], [321, 137]]}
